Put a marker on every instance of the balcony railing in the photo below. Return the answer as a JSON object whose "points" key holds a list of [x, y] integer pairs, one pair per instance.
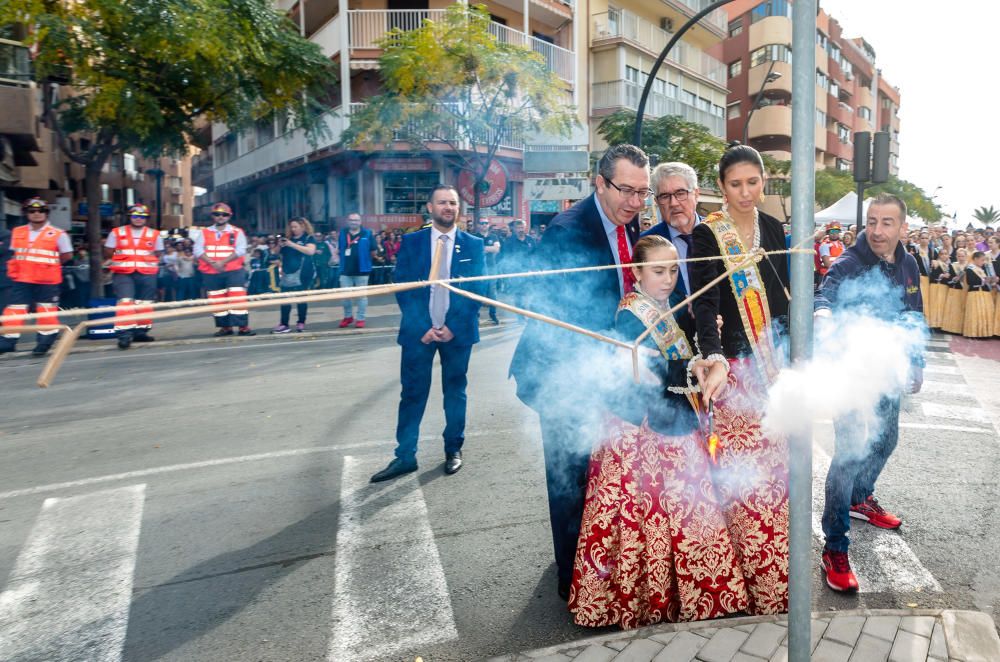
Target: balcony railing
{"points": [[717, 19], [618, 23], [15, 63], [625, 94], [369, 26], [506, 137]]}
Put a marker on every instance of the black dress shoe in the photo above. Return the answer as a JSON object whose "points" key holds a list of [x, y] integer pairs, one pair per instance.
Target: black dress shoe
{"points": [[224, 331], [396, 468], [41, 350], [563, 590], [246, 332], [124, 342], [143, 338], [452, 462]]}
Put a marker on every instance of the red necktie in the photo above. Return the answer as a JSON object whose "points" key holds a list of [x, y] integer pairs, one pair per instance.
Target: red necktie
{"points": [[625, 257]]}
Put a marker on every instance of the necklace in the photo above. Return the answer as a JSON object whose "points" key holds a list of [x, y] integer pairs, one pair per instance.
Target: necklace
{"points": [[756, 227]]}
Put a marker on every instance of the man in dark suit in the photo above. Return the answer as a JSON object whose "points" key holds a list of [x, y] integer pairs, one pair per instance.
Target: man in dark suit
{"points": [[554, 368], [435, 321], [675, 189]]}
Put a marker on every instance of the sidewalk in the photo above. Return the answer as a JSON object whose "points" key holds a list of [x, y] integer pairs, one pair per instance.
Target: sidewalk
{"points": [[848, 636]]}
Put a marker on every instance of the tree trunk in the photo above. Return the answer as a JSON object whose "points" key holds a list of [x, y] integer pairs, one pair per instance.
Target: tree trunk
{"points": [[92, 185]]}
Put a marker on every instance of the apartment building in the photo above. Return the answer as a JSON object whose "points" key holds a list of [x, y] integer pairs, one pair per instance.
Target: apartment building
{"points": [[32, 163], [269, 174], [851, 93]]}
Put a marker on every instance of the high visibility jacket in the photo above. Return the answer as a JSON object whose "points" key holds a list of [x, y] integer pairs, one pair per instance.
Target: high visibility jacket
{"points": [[220, 249], [35, 261], [133, 254], [836, 248]]}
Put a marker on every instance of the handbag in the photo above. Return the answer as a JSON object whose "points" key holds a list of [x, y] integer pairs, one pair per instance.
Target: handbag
{"points": [[293, 279]]}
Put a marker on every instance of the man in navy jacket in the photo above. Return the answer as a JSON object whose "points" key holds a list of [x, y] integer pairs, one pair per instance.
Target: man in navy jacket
{"points": [[860, 455], [435, 321]]}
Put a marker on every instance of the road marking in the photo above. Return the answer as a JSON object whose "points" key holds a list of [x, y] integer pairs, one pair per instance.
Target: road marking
{"points": [[944, 388], [890, 564], [956, 413], [390, 593], [939, 343], [941, 369], [69, 593], [928, 426]]}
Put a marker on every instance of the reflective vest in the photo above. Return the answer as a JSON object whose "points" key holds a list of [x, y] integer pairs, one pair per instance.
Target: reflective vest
{"points": [[35, 261], [220, 249], [133, 254], [836, 248]]}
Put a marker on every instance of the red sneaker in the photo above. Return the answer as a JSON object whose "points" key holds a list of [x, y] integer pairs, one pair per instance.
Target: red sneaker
{"points": [[360, 324], [346, 322], [839, 575], [874, 514]]}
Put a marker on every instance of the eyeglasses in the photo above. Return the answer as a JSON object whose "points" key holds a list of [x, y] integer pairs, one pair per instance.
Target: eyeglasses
{"points": [[37, 211], [628, 191], [680, 195], [222, 214]]}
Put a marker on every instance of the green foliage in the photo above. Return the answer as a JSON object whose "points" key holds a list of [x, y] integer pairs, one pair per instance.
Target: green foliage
{"points": [[143, 71], [452, 82], [832, 185], [987, 215], [668, 138], [918, 204]]}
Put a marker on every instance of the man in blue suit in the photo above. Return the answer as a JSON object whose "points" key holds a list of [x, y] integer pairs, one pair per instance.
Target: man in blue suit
{"points": [[555, 369], [675, 189], [435, 321]]}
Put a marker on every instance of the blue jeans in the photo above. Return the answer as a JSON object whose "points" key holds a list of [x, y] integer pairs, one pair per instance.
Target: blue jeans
{"points": [[858, 458], [415, 377], [355, 281]]}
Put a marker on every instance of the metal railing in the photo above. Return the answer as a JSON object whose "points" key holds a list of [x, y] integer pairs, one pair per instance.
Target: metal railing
{"points": [[619, 23], [625, 94], [15, 63], [506, 136], [717, 19], [369, 26]]}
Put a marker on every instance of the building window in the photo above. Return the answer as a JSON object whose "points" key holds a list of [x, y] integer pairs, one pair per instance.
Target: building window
{"points": [[820, 118], [771, 8], [130, 196], [407, 192], [129, 161], [735, 68], [659, 86], [843, 133], [736, 26], [822, 81], [865, 113], [225, 149], [176, 209], [776, 186], [672, 90], [775, 52], [631, 74], [733, 111], [689, 98], [834, 89], [843, 165], [821, 40], [718, 110], [265, 131], [704, 104], [175, 182], [105, 193]]}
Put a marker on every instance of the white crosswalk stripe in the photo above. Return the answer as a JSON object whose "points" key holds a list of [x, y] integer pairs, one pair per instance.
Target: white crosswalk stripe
{"points": [[955, 412], [941, 370], [386, 548], [931, 387], [68, 596]]}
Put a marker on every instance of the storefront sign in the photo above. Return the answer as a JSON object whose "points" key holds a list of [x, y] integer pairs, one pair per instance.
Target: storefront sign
{"points": [[492, 189], [392, 164], [557, 188]]}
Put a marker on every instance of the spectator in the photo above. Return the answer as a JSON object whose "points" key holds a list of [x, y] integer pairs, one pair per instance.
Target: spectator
{"points": [[517, 252], [260, 277], [168, 273], [186, 289], [297, 272], [321, 260], [357, 249], [378, 262], [491, 243]]}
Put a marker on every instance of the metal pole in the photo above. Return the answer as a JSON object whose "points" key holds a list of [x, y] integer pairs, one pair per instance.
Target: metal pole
{"points": [[861, 204], [637, 136], [756, 102], [803, 176]]}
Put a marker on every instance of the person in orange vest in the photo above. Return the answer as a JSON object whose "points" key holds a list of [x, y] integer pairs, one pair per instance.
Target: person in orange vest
{"points": [[220, 251], [35, 270], [134, 251], [831, 248]]}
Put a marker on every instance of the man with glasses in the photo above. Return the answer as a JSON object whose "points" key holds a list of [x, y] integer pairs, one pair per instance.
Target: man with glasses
{"points": [[554, 373], [220, 251], [491, 243], [675, 187], [134, 251], [35, 270]]}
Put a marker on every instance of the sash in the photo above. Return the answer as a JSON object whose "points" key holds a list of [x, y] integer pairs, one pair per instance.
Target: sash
{"points": [[751, 298], [666, 333]]}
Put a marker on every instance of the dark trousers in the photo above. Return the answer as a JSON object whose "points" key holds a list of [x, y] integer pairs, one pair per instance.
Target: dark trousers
{"points": [[566, 462], [228, 286], [858, 458], [415, 378], [33, 298], [300, 308]]}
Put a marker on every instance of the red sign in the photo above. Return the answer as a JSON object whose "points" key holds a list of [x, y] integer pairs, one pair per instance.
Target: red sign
{"points": [[492, 189], [388, 164]]}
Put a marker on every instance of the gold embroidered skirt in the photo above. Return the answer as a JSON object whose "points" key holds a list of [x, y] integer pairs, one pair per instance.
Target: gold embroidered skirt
{"points": [[925, 293], [934, 310], [954, 311], [979, 313], [996, 315]]}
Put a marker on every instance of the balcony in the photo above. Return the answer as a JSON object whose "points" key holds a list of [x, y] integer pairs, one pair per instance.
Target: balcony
{"points": [[369, 26], [327, 37], [625, 94], [771, 121], [717, 21], [506, 139], [621, 25], [15, 64]]}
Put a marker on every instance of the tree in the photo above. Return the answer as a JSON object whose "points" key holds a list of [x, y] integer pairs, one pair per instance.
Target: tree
{"points": [[144, 71], [450, 82], [987, 215], [917, 202], [778, 172], [668, 138], [832, 185]]}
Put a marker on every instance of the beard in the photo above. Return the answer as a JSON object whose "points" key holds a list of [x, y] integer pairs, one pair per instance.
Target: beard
{"points": [[444, 221]]}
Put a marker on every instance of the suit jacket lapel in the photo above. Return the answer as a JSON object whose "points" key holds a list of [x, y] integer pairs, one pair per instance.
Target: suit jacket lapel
{"points": [[596, 234]]}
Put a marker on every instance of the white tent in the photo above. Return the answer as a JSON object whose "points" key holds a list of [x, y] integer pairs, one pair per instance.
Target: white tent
{"points": [[844, 211]]}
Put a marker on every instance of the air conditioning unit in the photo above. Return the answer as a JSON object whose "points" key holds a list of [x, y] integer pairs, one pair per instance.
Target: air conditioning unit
{"points": [[667, 24]]}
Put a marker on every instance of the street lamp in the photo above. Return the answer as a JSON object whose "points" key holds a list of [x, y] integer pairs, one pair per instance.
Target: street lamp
{"points": [[770, 77]]}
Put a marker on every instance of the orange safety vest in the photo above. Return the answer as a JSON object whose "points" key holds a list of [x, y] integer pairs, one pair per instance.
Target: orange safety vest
{"points": [[836, 248], [35, 261], [133, 254], [220, 249]]}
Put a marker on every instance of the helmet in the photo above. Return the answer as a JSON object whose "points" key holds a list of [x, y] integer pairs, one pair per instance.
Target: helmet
{"points": [[138, 210], [222, 208], [35, 203], [833, 227]]}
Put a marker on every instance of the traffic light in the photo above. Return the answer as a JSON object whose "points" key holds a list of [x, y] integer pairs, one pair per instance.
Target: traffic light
{"points": [[862, 156], [880, 162]]}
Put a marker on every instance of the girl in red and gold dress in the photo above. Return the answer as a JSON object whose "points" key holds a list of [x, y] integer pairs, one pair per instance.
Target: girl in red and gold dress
{"points": [[653, 542]]}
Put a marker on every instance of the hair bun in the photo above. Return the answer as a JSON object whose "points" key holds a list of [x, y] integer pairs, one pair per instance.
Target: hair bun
{"points": [[733, 143]]}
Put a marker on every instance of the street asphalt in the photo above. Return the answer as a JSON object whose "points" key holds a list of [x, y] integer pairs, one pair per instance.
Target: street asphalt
{"points": [[210, 502]]}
